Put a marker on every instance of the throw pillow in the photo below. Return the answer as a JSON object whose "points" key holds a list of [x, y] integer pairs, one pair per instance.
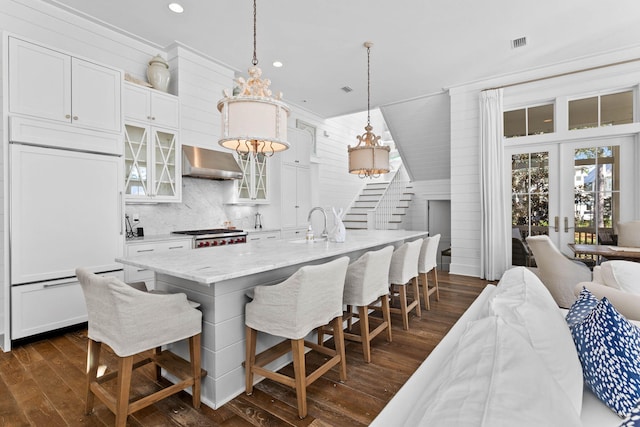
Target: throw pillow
{"points": [[609, 350], [629, 234], [633, 420], [581, 308]]}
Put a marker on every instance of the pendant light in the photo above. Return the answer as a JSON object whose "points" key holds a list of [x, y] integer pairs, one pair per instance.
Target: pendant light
{"points": [[252, 120], [368, 159]]}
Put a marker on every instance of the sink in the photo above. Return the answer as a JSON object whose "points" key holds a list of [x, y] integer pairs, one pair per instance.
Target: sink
{"points": [[307, 241]]}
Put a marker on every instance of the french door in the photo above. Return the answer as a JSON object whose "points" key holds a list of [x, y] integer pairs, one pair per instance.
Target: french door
{"points": [[574, 192]]}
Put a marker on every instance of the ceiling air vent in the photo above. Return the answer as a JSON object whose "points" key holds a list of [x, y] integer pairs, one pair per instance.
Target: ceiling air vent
{"points": [[520, 42], [346, 89]]}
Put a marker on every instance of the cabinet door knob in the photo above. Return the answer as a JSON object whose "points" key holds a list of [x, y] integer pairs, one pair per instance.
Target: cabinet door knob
{"points": [[67, 116], [75, 117], [153, 118], [148, 117]]}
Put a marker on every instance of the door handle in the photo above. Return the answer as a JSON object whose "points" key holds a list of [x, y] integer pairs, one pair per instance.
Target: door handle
{"points": [[566, 224], [556, 224]]}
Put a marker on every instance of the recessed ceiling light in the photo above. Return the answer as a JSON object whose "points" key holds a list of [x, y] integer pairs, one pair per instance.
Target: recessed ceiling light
{"points": [[277, 64], [176, 7]]}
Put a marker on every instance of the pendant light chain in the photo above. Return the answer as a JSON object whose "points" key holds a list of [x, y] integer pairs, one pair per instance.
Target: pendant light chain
{"points": [[255, 55], [368, 85]]}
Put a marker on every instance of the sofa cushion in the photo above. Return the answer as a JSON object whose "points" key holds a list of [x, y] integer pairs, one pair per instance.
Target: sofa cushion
{"points": [[525, 304], [493, 379], [624, 275], [609, 350], [581, 308]]}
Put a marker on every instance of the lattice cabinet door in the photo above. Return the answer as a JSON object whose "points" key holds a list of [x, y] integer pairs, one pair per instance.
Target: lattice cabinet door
{"points": [[136, 161], [166, 168], [253, 187]]}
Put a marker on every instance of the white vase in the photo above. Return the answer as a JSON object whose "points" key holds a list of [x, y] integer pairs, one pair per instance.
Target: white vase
{"points": [[158, 73]]}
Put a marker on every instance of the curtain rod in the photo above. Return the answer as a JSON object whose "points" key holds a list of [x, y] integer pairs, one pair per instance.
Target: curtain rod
{"points": [[568, 73]]}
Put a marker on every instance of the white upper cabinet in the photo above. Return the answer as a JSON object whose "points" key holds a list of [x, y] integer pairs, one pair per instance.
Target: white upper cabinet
{"points": [[253, 187], [152, 150], [300, 151], [149, 105], [51, 85]]}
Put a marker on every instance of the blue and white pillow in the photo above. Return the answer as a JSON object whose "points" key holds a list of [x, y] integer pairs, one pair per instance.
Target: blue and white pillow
{"points": [[581, 308], [633, 420], [609, 350]]}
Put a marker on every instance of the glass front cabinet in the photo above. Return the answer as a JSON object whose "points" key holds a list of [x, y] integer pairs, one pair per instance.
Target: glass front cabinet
{"points": [[152, 151], [152, 172], [253, 187]]}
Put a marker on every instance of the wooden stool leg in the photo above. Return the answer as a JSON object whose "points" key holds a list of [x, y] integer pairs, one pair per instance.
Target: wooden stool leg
{"points": [[125, 367], [349, 318], [386, 314], [93, 360], [416, 295], [321, 336], [250, 358], [195, 357], [297, 347], [363, 312], [435, 281], [403, 307], [338, 337], [158, 370], [425, 290]]}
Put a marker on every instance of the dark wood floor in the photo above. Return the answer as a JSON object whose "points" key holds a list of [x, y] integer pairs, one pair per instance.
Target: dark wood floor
{"points": [[42, 382]]}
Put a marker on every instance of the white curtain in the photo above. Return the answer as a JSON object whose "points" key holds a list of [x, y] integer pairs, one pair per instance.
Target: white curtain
{"points": [[494, 203]]}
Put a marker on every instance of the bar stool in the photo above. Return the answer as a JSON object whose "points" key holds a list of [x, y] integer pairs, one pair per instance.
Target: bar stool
{"points": [[428, 263], [310, 298], [404, 269], [126, 319], [365, 284]]}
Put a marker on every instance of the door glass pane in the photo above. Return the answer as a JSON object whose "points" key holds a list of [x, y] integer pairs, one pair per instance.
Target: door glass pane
{"points": [[515, 123], [530, 193], [540, 119], [616, 109], [596, 194], [583, 113], [135, 160]]}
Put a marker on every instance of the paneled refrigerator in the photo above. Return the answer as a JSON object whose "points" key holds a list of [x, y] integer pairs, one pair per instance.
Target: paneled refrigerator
{"points": [[66, 211]]}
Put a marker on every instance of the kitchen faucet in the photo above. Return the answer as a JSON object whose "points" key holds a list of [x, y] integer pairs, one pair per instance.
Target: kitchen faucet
{"points": [[325, 233]]}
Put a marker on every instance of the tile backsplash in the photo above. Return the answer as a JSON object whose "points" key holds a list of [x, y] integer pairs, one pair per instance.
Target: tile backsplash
{"points": [[203, 206]]}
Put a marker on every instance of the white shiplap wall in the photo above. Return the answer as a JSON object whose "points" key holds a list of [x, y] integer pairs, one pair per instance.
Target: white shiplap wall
{"points": [[465, 146]]}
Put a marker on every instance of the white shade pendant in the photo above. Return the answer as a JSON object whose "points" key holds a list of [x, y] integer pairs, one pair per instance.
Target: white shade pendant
{"points": [[368, 158], [252, 120]]}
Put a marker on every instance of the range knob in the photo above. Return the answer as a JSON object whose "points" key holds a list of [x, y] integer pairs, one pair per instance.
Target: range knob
{"points": [[214, 243], [206, 243], [222, 242], [200, 244]]}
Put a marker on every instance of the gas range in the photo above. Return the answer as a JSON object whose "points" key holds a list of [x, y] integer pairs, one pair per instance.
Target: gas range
{"points": [[215, 237]]}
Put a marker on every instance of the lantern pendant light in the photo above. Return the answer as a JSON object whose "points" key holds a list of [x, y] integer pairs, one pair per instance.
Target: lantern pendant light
{"points": [[252, 120], [368, 159]]}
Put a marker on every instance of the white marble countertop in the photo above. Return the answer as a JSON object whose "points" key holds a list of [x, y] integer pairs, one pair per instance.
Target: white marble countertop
{"points": [[215, 264]]}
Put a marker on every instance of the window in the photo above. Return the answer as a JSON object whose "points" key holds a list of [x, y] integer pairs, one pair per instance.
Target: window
{"points": [[529, 121], [602, 110]]}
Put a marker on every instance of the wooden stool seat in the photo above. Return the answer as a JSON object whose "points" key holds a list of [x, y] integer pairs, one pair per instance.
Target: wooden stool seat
{"points": [[292, 309], [404, 270], [125, 319]]}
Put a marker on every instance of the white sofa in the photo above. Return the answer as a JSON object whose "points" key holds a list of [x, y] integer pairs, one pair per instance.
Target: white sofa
{"points": [[619, 281], [509, 360]]}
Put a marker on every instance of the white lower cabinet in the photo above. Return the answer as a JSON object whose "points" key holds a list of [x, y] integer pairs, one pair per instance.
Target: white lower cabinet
{"points": [[133, 248], [34, 309], [263, 235]]}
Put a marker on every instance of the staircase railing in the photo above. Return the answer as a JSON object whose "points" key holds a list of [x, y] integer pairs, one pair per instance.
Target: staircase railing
{"points": [[379, 217]]}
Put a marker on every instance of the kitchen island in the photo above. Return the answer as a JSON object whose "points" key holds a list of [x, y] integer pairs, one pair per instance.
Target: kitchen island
{"points": [[219, 277]]}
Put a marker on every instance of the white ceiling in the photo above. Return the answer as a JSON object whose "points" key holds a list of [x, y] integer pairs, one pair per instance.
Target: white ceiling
{"points": [[420, 47]]}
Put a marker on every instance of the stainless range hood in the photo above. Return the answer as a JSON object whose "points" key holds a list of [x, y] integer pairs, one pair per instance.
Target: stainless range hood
{"points": [[210, 164]]}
